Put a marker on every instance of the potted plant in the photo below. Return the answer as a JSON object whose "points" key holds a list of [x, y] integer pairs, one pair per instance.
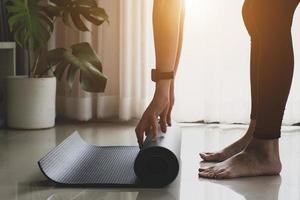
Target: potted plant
{"points": [[31, 99]]}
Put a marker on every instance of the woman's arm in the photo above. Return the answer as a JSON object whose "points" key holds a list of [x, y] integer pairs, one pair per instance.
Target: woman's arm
{"points": [[180, 42], [167, 27]]}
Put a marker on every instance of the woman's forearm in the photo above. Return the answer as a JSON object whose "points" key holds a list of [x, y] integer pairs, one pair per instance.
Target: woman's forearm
{"points": [[180, 38], [168, 24]]}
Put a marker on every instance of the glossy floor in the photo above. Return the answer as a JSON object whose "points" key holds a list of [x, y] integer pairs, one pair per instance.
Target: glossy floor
{"points": [[21, 179]]}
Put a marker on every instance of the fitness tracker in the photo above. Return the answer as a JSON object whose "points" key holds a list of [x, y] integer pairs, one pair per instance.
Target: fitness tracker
{"points": [[156, 75]]}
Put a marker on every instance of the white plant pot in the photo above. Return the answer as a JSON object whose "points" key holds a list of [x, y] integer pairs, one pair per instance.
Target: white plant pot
{"points": [[31, 102]]}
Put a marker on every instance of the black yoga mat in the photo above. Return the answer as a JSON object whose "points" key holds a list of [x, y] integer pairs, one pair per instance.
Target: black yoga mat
{"points": [[76, 163]]}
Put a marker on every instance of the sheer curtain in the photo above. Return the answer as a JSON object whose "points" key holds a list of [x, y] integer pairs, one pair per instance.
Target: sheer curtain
{"points": [[75, 103], [125, 49], [212, 83], [213, 77], [136, 57]]}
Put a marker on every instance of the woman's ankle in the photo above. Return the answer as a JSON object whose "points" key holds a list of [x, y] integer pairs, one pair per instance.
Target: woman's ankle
{"points": [[265, 148], [249, 134]]}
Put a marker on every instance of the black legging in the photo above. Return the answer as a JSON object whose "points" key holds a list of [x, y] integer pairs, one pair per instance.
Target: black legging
{"points": [[272, 61]]}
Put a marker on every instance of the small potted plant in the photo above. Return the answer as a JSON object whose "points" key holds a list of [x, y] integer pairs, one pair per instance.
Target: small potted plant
{"points": [[31, 99]]}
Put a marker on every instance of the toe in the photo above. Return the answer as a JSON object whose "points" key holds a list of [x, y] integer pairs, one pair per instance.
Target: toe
{"points": [[206, 169], [203, 174], [211, 174], [203, 155], [208, 174], [208, 153], [213, 157], [223, 175], [201, 169]]}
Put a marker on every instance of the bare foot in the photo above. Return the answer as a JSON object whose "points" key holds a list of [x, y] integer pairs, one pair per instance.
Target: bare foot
{"points": [[232, 149], [260, 158]]}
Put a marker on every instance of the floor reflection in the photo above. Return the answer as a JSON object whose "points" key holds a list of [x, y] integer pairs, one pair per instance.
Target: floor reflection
{"points": [[156, 194], [43, 190], [266, 188]]}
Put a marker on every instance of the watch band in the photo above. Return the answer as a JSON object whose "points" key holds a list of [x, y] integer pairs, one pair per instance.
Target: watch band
{"points": [[156, 75]]}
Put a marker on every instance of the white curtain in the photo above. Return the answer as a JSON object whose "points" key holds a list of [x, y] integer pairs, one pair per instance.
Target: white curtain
{"points": [[136, 57], [127, 58], [212, 83], [75, 103]]}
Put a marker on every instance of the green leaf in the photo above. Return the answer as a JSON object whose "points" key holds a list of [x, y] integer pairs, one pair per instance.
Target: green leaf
{"points": [[13, 9], [60, 2], [46, 21], [51, 11], [18, 36], [28, 22], [81, 57], [85, 53], [78, 22], [91, 3], [80, 11], [71, 75], [55, 56], [14, 19], [99, 12]]}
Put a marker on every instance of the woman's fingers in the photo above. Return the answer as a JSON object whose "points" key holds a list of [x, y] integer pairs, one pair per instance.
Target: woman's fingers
{"points": [[169, 120], [143, 126], [149, 120], [170, 107], [154, 128], [140, 130], [163, 121]]}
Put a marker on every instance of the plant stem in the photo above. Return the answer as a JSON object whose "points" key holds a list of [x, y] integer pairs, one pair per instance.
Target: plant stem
{"points": [[28, 49], [31, 58], [36, 64], [29, 63]]}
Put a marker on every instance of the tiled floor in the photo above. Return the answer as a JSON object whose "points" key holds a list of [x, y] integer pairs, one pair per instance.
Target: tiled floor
{"points": [[20, 178]]}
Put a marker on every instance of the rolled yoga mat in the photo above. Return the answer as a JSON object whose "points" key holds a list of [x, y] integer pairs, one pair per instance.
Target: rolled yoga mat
{"points": [[76, 163]]}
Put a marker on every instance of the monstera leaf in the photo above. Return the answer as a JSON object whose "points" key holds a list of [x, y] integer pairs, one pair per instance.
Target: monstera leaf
{"points": [[30, 25], [81, 57], [75, 10]]}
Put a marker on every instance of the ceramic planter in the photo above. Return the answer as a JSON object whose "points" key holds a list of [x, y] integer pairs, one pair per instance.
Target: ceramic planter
{"points": [[31, 102]]}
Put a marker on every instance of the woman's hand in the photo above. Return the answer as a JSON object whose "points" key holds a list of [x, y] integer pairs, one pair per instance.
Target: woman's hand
{"points": [[171, 104], [160, 106]]}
